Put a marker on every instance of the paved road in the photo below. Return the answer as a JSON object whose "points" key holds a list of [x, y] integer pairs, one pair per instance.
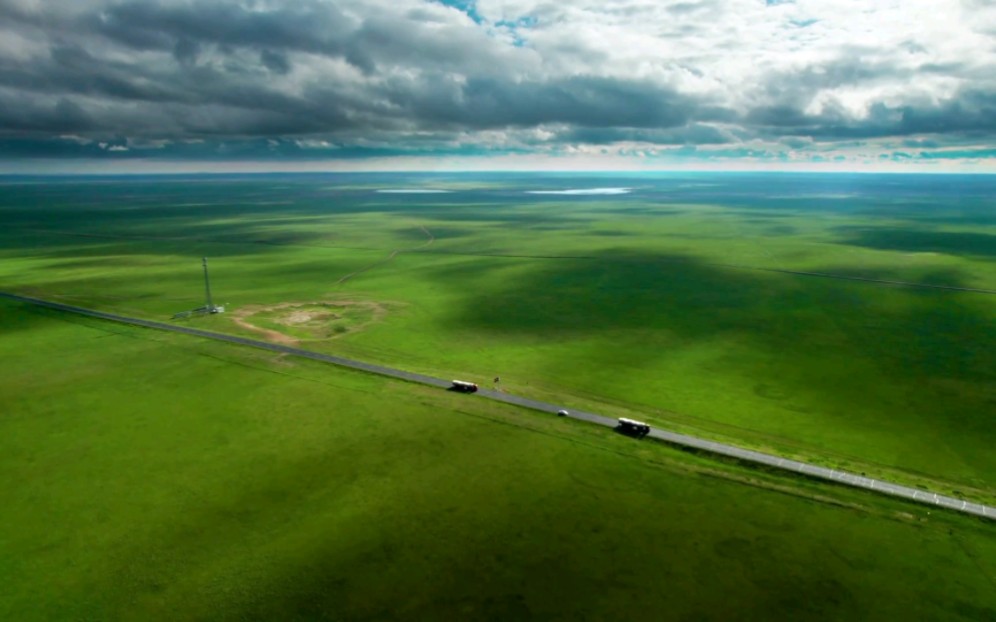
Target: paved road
{"points": [[747, 455]]}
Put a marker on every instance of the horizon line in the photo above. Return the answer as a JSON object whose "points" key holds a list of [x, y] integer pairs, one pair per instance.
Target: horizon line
{"points": [[624, 172]]}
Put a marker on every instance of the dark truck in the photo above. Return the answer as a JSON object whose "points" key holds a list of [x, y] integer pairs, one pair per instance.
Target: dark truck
{"points": [[632, 427], [463, 387]]}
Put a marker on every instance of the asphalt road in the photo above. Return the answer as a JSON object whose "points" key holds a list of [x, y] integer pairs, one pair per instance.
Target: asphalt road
{"points": [[747, 455]]}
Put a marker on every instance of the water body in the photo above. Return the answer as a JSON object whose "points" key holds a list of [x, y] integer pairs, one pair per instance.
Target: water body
{"points": [[411, 191], [583, 191]]}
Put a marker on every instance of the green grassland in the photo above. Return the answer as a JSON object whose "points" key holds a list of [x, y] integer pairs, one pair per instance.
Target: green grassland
{"points": [[157, 476], [660, 303]]}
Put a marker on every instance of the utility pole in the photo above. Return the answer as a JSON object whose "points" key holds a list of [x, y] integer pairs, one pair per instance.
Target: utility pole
{"points": [[207, 287]]}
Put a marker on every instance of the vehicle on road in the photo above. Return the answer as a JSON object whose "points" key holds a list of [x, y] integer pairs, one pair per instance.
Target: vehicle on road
{"points": [[463, 387], [633, 427], [562, 413]]}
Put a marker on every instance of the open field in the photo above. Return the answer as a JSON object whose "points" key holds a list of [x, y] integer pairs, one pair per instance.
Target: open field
{"points": [[159, 476], [766, 462], [654, 303]]}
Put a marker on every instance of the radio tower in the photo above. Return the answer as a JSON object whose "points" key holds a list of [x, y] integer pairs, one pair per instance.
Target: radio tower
{"points": [[209, 306], [207, 290]]}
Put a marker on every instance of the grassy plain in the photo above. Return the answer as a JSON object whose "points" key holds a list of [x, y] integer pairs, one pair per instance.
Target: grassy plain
{"points": [[659, 303], [156, 476]]}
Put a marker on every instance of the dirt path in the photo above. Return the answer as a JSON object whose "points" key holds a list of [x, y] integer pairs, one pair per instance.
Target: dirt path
{"points": [[393, 254], [239, 317]]}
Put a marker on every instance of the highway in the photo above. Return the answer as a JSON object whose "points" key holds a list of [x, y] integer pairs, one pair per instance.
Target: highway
{"points": [[682, 440]]}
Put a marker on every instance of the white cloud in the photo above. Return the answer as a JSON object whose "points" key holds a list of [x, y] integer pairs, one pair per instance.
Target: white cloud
{"points": [[735, 49], [534, 74]]}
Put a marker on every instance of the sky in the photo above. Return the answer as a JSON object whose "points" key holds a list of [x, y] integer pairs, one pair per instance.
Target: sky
{"points": [[256, 85]]}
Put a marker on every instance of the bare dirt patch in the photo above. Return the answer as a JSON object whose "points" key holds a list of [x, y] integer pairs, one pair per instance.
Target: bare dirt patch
{"points": [[290, 323], [305, 317]]}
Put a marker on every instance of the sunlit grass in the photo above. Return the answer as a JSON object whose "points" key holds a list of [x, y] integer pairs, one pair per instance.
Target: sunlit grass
{"points": [[157, 476], [657, 302]]}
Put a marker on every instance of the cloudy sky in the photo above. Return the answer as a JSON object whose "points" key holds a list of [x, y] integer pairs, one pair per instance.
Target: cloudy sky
{"points": [[561, 84]]}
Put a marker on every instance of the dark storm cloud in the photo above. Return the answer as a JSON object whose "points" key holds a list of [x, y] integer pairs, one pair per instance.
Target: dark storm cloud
{"points": [[228, 149], [970, 112], [436, 96], [301, 25], [275, 61], [19, 115], [71, 70], [690, 134], [584, 101]]}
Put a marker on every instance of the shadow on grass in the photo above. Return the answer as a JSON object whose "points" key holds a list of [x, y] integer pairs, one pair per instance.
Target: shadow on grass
{"points": [[252, 211], [920, 241], [20, 317], [629, 433], [811, 333]]}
